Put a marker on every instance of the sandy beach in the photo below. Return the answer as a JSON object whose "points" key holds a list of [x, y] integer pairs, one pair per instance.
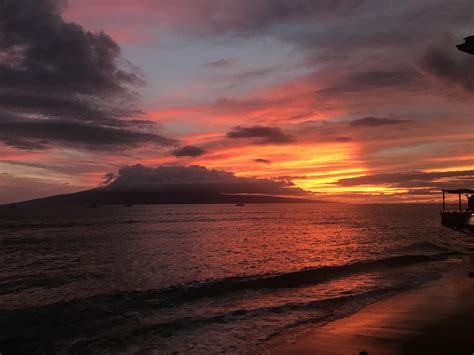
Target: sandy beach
{"points": [[435, 318]]}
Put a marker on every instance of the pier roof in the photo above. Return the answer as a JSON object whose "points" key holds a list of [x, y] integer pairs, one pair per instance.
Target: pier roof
{"points": [[459, 191]]}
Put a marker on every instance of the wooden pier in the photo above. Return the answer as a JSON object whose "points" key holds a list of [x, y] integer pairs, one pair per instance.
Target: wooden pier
{"points": [[460, 219]]}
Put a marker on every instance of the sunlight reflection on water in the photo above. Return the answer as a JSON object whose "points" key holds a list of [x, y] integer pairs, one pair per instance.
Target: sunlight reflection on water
{"points": [[119, 259]]}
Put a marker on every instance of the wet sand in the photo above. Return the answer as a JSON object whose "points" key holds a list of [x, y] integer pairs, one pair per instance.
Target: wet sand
{"points": [[436, 318]]}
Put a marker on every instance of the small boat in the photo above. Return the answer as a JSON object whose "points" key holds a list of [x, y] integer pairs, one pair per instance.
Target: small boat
{"points": [[467, 46], [128, 205], [461, 220], [13, 206], [240, 204], [92, 205]]}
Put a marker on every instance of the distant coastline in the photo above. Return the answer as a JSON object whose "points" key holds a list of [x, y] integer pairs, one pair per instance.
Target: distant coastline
{"points": [[141, 197]]}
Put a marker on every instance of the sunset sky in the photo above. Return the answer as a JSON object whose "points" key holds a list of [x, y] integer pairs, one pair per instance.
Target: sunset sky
{"points": [[360, 101]]}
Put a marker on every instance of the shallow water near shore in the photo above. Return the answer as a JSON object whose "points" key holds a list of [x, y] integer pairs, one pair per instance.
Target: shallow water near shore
{"points": [[202, 278]]}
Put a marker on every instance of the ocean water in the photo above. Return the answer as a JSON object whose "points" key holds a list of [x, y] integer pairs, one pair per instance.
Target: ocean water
{"points": [[202, 278]]}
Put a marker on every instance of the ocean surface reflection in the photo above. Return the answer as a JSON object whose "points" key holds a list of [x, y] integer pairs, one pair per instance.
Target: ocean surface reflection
{"points": [[171, 277]]}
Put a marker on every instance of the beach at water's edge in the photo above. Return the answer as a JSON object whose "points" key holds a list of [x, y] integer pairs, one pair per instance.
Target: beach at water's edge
{"points": [[435, 318]]}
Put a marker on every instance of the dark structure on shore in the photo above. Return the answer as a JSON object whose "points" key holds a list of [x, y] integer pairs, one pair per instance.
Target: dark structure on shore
{"points": [[461, 219], [467, 46]]}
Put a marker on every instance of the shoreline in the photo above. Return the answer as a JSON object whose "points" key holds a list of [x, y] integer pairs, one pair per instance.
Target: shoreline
{"points": [[434, 318]]}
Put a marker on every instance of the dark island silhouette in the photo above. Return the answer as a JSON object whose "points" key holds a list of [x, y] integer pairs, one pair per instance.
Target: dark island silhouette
{"points": [[100, 196], [129, 197], [137, 185]]}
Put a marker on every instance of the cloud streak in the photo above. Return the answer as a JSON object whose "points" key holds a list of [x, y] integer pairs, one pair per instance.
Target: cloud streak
{"points": [[412, 178], [39, 134], [375, 122], [264, 135], [446, 67], [263, 161], [189, 151]]}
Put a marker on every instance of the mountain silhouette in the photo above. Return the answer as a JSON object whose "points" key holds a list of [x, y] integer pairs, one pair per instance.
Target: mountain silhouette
{"points": [[100, 196]]}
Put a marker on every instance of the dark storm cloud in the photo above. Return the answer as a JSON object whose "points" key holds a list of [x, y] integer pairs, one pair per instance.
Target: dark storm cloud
{"points": [[375, 48], [196, 178], [383, 78], [21, 143], [64, 106], [265, 135], [189, 151], [410, 179], [60, 84], [263, 161], [40, 133], [375, 122], [360, 82], [248, 17], [451, 183], [54, 55], [397, 28], [456, 68]]}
